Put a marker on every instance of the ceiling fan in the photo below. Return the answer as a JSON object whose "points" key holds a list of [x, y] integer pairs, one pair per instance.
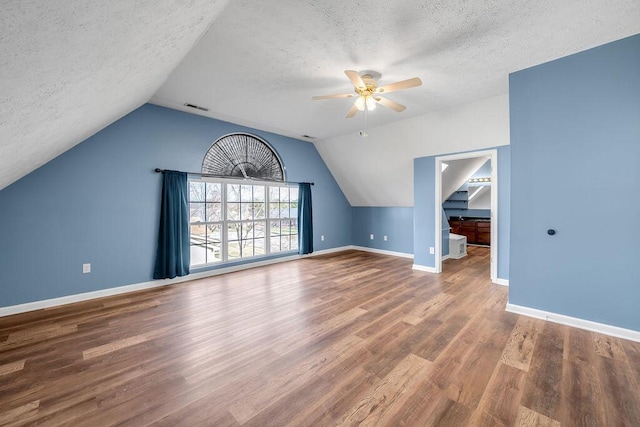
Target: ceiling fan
{"points": [[367, 91]]}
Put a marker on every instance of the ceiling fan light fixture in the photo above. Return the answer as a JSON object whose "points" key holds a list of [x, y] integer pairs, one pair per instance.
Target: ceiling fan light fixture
{"points": [[366, 88], [365, 102], [370, 102]]}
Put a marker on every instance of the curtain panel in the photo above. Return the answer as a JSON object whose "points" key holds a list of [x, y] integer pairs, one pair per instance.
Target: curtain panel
{"points": [[305, 221], [172, 256]]}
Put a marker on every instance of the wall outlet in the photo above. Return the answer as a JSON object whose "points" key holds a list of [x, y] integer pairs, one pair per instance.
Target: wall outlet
{"points": [[384, 238], [86, 268], [371, 236], [432, 250], [322, 238]]}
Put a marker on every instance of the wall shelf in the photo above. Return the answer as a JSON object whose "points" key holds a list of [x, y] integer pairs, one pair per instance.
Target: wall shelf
{"points": [[458, 200]]}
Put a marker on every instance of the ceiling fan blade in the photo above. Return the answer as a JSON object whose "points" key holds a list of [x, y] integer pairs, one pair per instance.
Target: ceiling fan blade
{"points": [[390, 104], [355, 78], [404, 84], [352, 112], [342, 95]]}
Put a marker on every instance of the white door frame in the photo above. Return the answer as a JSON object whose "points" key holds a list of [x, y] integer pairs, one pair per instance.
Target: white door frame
{"points": [[493, 155]]}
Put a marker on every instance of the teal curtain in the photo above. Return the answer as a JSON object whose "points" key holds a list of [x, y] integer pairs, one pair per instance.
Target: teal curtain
{"points": [[305, 222], [172, 256]]}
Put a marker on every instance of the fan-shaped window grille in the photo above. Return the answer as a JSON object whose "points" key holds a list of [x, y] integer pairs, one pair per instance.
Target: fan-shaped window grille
{"points": [[244, 156]]}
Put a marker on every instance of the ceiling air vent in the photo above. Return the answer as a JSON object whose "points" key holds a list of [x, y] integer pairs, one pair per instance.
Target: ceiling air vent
{"points": [[197, 107]]}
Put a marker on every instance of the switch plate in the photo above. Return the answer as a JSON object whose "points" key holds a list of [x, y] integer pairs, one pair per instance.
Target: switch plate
{"points": [[432, 250], [322, 238], [371, 236], [86, 268], [384, 238]]}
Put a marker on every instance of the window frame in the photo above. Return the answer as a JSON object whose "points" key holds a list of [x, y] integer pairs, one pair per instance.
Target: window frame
{"points": [[225, 222]]}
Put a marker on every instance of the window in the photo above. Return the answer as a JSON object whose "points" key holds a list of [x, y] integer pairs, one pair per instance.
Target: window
{"points": [[244, 156], [205, 222], [231, 221], [283, 219]]}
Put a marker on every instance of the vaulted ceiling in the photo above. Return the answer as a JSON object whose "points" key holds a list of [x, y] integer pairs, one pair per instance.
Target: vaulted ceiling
{"points": [[261, 61], [70, 68]]}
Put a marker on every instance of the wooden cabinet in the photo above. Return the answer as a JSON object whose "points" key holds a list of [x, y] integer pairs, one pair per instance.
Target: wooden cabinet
{"points": [[476, 231], [483, 232], [468, 229]]}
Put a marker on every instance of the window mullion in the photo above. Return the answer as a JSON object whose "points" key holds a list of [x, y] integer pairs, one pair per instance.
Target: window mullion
{"points": [[225, 226], [267, 216]]}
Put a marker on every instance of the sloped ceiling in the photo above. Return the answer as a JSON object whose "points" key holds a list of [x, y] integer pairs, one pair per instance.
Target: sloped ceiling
{"points": [[68, 68], [458, 172], [378, 170], [262, 61]]}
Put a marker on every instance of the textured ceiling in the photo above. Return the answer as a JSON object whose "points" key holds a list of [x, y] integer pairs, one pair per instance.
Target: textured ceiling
{"points": [[262, 61], [68, 68]]}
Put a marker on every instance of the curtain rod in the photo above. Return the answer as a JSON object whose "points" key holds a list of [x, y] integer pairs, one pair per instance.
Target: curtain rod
{"points": [[208, 175]]}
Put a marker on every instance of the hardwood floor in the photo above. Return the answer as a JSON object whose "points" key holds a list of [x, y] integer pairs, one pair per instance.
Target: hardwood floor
{"points": [[341, 339]]}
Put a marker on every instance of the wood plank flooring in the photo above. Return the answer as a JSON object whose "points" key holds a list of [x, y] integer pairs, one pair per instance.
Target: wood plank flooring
{"points": [[351, 338]]}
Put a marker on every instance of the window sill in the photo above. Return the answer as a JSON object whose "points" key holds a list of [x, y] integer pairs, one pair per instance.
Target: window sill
{"points": [[239, 261]]}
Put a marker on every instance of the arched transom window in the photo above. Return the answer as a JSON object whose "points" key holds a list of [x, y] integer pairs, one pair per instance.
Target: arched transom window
{"points": [[243, 156]]}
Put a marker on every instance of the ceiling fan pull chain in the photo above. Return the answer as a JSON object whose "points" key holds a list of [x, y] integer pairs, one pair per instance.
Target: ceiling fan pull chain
{"points": [[363, 133]]}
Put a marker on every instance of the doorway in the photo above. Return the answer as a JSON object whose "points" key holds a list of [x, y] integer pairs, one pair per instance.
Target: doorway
{"points": [[492, 155]]}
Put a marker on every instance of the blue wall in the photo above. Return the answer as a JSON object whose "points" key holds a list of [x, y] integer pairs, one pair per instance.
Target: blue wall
{"points": [[424, 219], [445, 233], [575, 137], [504, 211], [394, 222], [424, 209], [98, 203]]}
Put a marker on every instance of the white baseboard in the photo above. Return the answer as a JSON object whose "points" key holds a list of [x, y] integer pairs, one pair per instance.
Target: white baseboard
{"points": [[446, 257], [53, 302], [501, 282], [602, 328], [382, 251], [424, 268], [330, 251], [69, 299]]}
